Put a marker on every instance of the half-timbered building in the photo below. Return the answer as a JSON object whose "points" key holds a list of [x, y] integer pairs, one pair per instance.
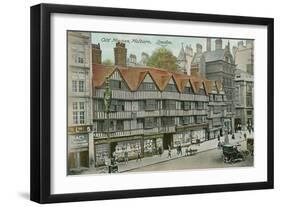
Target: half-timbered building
{"points": [[150, 108]]}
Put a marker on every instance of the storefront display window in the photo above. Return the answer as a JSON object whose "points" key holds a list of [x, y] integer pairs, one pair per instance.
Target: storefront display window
{"points": [[132, 146], [183, 139], [102, 154], [149, 146]]}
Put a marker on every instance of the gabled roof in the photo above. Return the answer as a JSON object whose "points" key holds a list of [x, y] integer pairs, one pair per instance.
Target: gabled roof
{"points": [[134, 76], [196, 84], [180, 81], [160, 77], [100, 72], [208, 86], [218, 85]]}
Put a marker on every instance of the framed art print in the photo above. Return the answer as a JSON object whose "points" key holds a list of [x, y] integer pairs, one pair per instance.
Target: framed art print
{"points": [[133, 103]]}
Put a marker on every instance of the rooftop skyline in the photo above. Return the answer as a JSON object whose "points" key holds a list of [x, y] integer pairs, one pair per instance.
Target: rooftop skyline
{"points": [[136, 44]]}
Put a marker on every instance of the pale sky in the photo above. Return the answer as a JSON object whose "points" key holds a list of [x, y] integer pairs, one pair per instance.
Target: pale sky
{"points": [[136, 44]]}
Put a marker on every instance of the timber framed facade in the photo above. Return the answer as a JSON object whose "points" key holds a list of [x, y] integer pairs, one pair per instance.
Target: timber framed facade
{"points": [[150, 109]]}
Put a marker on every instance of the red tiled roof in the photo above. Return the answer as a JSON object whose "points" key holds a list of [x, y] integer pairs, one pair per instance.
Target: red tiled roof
{"points": [[133, 76], [132, 83], [181, 81], [208, 86], [99, 74], [196, 84], [160, 77], [218, 85]]}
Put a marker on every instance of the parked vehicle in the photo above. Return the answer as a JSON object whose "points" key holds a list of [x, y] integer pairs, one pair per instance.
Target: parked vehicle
{"points": [[231, 153]]}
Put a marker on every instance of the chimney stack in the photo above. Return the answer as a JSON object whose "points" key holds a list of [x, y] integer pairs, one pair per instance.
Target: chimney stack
{"points": [[209, 47], [198, 48], [96, 54], [218, 44], [120, 53]]}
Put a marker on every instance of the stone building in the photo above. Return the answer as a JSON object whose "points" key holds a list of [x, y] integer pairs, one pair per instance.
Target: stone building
{"points": [[220, 66], [198, 61], [244, 102], [216, 110], [184, 59], [132, 60], [79, 99], [144, 59], [244, 56]]}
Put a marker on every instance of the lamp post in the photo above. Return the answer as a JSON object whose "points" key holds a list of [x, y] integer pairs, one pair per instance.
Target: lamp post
{"points": [[107, 102]]}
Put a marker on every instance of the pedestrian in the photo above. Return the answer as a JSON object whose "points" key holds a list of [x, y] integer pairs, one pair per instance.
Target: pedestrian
{"points": [[126, 156], [219, 138], [169, 152], [139, 156], [180, 149], [113, 159], [160, 151], [245, 136], [233, 136]]}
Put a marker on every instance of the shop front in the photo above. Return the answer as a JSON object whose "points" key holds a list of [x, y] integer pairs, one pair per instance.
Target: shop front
{"points": [[167, 140], [78, 153], [78, 147], [102, 154], [152, 144], [117, 147], [198, 135], [182, 138], [132, 146], [214, 133]]}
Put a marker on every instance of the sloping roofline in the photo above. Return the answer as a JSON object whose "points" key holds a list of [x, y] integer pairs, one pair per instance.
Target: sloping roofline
{"points": [[134, 76]]}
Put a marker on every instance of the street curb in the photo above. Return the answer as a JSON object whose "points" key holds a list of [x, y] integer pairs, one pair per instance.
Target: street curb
{"points": [[169, 159], [164, 161]]}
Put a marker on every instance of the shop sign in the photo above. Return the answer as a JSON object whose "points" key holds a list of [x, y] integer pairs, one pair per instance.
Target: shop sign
{"points": [[78, 141], [80, 129]]}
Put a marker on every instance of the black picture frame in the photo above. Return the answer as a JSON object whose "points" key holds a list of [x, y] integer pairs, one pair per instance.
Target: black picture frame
{"points": [[41, 102]]}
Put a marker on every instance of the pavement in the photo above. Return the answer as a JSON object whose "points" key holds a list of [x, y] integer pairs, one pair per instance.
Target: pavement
{"points": [[147, 161]]}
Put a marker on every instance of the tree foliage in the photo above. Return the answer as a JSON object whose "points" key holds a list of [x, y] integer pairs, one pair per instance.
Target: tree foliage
{"points": [[107, 62], [163, 58]]}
